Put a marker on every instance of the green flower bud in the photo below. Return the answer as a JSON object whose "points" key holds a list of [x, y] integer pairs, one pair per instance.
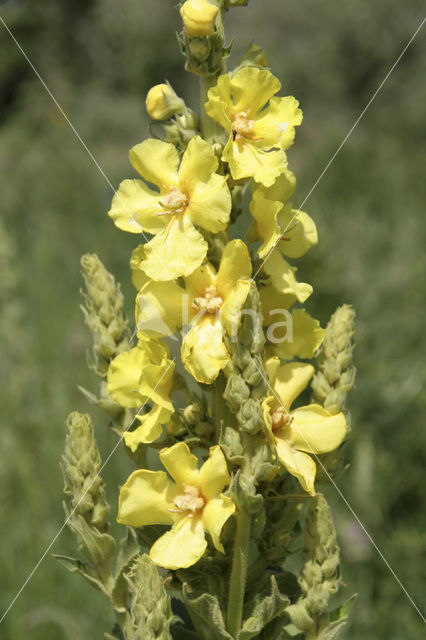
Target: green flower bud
{"points": [[250, 416], [320, 576], [236, 392], [150, 609], [336, 374], [81, 464], [103, 313]]}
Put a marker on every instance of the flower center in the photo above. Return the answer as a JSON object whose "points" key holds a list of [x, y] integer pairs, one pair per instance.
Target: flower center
{"points": [[173, 202], [190, 500], [242, 126], [280, 418], [211, 302]]}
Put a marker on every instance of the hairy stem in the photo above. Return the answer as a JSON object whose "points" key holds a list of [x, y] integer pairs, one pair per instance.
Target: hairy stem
{"points": [[239, 573]]}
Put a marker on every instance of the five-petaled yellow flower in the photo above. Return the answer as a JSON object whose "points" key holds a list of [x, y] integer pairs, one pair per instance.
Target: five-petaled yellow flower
{"points": [[138, 376], [258, 134], [193, 504], [310, 429], [209, 303], [188, 195]]}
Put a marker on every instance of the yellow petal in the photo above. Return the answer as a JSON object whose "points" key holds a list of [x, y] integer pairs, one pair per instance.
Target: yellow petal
{"points": [[156, 382], [177, 251], [180, 547], [215, 514], [219, 106], [275, 124], [181, 464], [298, 464], [199, 162], [214, 476], [123, 377], [288, 380], [300, 338], [134, 208], [150, 429], [156, 161], [210, 204], [274, 306], [252, 88], [231, 310], [316, 430], [146, 498], [298, 230], [200, 280], [282, 189], [203, 351], [246, 159], [235, 265], [159, 308], [139, 277], [265, 212], [283, 278]]}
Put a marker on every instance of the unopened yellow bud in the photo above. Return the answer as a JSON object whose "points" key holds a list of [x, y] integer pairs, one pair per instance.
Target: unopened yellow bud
{"points": [[198, 17], [162, 102]]}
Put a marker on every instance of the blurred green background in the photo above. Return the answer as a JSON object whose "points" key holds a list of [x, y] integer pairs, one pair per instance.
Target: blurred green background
{"points": [[99, 57]]}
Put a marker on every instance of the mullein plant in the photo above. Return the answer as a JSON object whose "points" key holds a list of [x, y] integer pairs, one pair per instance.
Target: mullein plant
{"points": [[210, 394]]}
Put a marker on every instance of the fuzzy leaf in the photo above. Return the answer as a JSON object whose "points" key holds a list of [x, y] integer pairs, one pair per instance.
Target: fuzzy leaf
{"points": [[263, 609], [129, 549], [206, 615], [339, 618], [76, 566]]}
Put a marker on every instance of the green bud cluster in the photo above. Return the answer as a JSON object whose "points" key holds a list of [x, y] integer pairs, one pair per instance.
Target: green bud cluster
{"points": [[150, 609], [103, 313], [320, 576], [336, 374], [246, 385], [181, 128], [81, 464]]}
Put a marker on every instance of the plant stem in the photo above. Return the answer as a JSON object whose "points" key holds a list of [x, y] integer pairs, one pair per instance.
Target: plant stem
{"points": [[210, 129], [219, 407], [239, 573]]}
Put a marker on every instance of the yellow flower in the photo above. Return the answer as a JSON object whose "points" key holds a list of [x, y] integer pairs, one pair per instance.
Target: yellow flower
{"points": [[258, 134], [293, 232], [198, 17], [192, 194], [283, 278], [143, 374], [162, 102], [193, 504], [209, 303], [306, 430], [290, 335]]}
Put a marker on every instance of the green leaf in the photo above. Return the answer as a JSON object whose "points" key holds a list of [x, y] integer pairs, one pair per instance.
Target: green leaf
{"points": [[262, 609], [206, 615], [129, 549], [77, 566], [339, 618]]}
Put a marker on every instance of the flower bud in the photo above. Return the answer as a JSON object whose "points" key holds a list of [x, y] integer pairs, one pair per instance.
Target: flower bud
{"points": [[162, 102], [198, 17]]}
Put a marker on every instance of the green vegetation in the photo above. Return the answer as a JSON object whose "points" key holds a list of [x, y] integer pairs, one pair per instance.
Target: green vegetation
{"points": [[99, 58]]}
